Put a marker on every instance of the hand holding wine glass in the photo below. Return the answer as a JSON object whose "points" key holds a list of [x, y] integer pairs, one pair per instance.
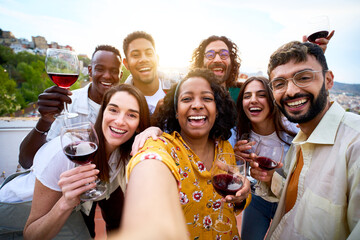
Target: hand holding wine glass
{"points": [[227, 180], [269, 154], [63, 68], [80, 143]]}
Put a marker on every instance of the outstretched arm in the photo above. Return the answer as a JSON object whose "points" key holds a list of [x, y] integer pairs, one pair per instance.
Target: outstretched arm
{"points": [[152, 207], [50, 209], [50, 102]]}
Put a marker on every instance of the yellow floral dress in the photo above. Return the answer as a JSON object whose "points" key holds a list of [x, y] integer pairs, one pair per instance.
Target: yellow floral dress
{"points": [[197, 195]]}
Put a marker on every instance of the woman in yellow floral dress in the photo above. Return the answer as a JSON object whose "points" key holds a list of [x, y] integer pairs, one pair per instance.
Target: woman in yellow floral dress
{"points": [[198, 114]]}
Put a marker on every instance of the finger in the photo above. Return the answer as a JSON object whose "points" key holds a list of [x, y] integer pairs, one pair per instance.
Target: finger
{"points": [[304, 38], [78, 169], [57, 89], [330, 35]]}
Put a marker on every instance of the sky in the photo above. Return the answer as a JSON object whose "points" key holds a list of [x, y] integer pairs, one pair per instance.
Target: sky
{"points": [[258, 27]]}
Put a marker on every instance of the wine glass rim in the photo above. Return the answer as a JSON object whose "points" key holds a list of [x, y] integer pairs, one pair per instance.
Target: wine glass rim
{"points": [[60, 50]]}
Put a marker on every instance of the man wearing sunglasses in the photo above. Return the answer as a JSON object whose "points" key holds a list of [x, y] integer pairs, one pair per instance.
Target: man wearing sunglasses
{"points": [[219, 54], [321, 194]]}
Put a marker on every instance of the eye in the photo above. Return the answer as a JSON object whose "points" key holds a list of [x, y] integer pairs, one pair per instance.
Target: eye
{"points": [[278, 83], [208, 99], [247, 96], [115, 71], [133, 115], [149, 53], [112, 109], [185, 99], [99, 69]]}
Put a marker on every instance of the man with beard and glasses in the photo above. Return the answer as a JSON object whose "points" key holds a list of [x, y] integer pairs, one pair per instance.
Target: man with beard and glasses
{"points": [[321, 194], [220, 55]]}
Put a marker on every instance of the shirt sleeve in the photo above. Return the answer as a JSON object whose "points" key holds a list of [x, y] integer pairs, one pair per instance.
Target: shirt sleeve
{"points": [[49, 163], [154, 150]]}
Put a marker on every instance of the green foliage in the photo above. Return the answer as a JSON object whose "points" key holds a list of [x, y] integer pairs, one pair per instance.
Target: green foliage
{"points": [[22, 79], [10, 98], [125, 75]]}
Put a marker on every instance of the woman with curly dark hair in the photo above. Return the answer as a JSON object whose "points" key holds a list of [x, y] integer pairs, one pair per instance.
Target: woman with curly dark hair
{"points": [[197, 116]]}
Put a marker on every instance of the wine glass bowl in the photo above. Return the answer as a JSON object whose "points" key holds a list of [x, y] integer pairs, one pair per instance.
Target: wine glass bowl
{"points": [[269, 154], [227, 179], [80, 143], [318, 27], [63, 69]]}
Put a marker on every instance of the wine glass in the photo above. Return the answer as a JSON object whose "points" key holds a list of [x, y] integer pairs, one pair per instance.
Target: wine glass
{"points": [[318, 27], [227, 179], [253, 140], [269, 154], [80, 143], [169, 79], [63, 68]]}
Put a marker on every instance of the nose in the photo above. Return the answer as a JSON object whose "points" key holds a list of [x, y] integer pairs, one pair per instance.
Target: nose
{"points": [[291, 89], [253, 98], [197, 104], [107, 74], [217, 58], [144, 58], [120, 119]]}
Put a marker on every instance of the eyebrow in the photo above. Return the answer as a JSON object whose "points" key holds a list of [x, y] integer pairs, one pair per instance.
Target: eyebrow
{"points": [[305, 69], [190, 92], [131, 110], [259, 91]]}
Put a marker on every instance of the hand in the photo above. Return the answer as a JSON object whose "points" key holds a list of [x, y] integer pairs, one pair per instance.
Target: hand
{"points": [[259, 173], [76, 181], [141, 138], [242, 148], [240, 195], [51, 102], [322, 42]]}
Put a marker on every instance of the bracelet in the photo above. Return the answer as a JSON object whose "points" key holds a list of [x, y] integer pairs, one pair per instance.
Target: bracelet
{"points": [[42, 132]]}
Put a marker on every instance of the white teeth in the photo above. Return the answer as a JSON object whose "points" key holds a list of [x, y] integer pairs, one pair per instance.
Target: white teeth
{"points": [[197, 117], [106, 83], [296, 103], [255, 109], [217, 69], [117, 130], [144, 69]]}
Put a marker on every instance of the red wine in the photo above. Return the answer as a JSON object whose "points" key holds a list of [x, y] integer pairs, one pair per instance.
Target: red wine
{"points": [[266, 163], [80, 152], [314, 36], [63, 80], [226, 184]]}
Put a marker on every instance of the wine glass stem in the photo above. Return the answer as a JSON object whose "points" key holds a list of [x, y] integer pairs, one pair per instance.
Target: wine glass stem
{"points": [[66, 110], [221, 211]]}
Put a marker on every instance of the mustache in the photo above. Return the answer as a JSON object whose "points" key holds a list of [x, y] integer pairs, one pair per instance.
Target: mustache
{"points": [[217, 64], [298, 95]]}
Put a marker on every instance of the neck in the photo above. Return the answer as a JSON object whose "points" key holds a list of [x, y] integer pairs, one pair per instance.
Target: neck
{"points": [[264, 128], [204, 148], [93, 95], [308, 127], [148, 89]]}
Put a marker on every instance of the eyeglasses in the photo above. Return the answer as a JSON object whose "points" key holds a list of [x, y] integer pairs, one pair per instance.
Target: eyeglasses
{"points": [[300, 79], [223, 53]]}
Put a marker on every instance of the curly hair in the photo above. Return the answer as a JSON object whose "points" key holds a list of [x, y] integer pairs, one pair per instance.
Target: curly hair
{"points": [[297, 51], [244, 124], [136, 35], [197, 60], [225, 106], [125, 148], [107, 48]]}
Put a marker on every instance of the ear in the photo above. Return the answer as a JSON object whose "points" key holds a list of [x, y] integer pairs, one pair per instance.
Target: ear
{"points": [[121, 74], [125, 62], [329, 80], [90, 70]]}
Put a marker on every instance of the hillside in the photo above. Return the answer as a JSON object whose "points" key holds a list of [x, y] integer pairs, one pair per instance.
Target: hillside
{"points": [[347, 88]]}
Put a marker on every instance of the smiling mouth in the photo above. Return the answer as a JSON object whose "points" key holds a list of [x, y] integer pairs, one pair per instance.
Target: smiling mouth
{"points": [[197, 119], [106, 84], [218, 70], [255, 109], [297, 104], [147, 69], [117, 131]]}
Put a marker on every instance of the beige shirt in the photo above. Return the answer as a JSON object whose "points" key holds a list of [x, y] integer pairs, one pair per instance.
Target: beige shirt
{"points": [[328, 199]]}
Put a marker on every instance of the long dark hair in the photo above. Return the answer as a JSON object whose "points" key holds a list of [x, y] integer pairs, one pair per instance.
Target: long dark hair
{"points": [[225, 120], [100, 158], [244, 123]]}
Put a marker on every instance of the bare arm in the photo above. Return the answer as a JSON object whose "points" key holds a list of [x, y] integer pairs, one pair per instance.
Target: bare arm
{"points": [[50, 102], [152, 208], [50, 209]]}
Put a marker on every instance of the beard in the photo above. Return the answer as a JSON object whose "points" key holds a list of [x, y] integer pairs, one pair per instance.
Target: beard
{"points": [[316, 106]]}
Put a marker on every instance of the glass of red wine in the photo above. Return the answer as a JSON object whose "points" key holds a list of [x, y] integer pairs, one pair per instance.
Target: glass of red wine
{"points": [[227, 179], [80, 143], [269, 154], [253, 141], [63, 68], [318, 28]]}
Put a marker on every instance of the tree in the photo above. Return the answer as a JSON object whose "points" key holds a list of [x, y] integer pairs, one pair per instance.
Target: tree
{"points": [[10, 98]]}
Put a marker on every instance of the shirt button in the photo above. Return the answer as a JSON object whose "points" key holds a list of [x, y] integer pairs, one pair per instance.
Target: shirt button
{"points": [[208, 205]]}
